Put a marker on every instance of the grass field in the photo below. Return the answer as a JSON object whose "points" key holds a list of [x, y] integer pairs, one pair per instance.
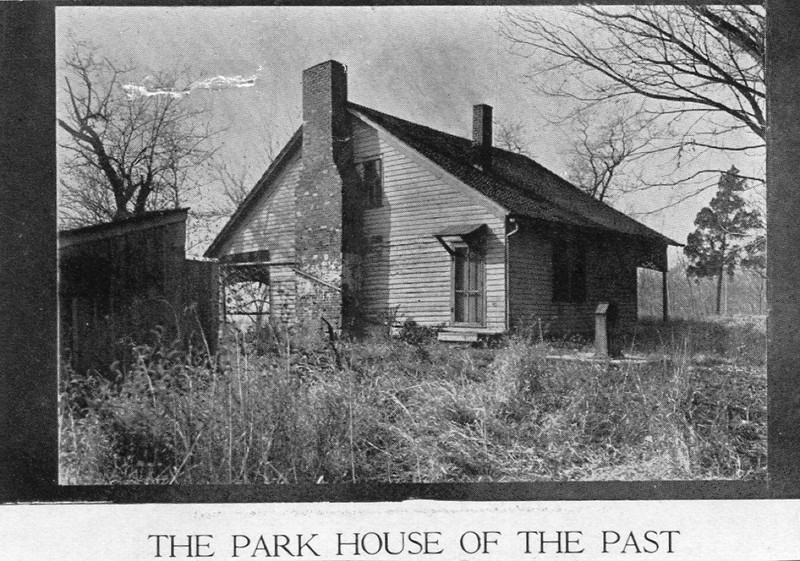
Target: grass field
{"points": [[414, 410]]}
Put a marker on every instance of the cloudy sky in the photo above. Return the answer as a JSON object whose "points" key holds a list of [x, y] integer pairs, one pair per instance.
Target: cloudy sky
{"points": [[425, 64]]}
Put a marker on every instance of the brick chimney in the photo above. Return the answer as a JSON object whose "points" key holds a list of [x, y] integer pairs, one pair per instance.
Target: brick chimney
{"points": [[482, 135], [318, 202]]}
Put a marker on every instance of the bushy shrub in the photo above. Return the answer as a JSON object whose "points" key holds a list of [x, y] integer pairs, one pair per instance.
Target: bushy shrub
{"points": [[414, 334]]}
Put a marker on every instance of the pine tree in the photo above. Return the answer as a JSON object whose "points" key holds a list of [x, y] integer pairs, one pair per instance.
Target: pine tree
{"points": [[725, 234]]}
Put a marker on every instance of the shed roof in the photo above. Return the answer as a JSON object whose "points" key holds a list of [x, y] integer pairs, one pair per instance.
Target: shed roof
{"points": [[460, 230], [144, 221]]}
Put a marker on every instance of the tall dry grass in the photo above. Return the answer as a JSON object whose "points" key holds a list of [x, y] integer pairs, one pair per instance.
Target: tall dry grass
{"points": [[414, 410]]}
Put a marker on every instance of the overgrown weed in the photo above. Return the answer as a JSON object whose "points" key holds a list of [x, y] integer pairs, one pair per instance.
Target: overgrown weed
{"points": [[392, 413]]}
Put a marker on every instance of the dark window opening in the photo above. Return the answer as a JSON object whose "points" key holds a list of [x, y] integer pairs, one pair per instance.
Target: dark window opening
{"points": [[467, 286], [569, 271], [371, 174]]}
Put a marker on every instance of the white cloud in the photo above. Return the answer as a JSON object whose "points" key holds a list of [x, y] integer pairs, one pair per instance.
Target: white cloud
{"points": [[215, 83]]}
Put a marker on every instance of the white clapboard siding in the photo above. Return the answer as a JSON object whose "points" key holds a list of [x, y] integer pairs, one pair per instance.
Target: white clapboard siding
{"points": [[410, 270], [531, 285], [270, 225]]}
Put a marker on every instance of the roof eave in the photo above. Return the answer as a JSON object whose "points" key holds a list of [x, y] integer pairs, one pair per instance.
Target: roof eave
{"points": [[654, 236]]}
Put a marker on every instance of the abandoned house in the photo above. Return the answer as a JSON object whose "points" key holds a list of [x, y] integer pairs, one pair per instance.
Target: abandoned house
{"points": [[365, 218], [120, 281]]}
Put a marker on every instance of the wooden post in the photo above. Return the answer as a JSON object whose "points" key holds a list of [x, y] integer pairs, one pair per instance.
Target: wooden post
{"points": [[664, 297], [224, 283], [601, 330], [75, 333], [724, 294]]}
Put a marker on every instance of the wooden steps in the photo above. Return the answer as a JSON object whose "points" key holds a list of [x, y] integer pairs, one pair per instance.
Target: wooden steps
{"points": [[466, 334], [458, 336]]}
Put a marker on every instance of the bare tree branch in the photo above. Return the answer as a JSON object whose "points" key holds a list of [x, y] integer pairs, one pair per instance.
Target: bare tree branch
{"points": [[127, 155], [696, 74], [511, 135], [708, 57], [606, 144]]}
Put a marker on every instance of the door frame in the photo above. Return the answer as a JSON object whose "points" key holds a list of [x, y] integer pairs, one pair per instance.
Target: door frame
{"points": [[472, 251]]}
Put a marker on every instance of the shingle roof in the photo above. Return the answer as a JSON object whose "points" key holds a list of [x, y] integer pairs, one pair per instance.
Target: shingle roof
{"points": [[514, 181]]}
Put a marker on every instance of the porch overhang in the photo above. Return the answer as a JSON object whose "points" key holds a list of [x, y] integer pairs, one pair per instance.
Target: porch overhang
{"points": [[467, 232], [650, 254]]}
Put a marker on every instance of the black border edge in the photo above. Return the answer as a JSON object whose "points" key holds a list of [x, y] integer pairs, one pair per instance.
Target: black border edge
{"points": [[783, 248], [29, 313], [28, 283]]}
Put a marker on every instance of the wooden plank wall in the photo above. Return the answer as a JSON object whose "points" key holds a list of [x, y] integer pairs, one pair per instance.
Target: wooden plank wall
{"points": [[115, 291], [271, 226], [201, 291], [610, 274], [406, 268]]}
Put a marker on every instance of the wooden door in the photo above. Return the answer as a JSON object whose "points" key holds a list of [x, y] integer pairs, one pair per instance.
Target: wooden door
{"points": [[468, 297]]}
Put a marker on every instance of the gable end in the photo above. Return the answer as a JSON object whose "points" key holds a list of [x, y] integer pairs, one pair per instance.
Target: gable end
{"points": [[261, 188], [440, 173]]}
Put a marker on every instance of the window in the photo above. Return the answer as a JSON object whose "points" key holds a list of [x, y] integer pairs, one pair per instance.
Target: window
{"points": [[467, 286], [371, 174], [569, 271]]}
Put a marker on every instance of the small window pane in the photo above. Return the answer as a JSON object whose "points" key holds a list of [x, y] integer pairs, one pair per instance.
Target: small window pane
{"points": [[473, 275], [459, 308], [371, 176], [460, 262], [472, 314]]}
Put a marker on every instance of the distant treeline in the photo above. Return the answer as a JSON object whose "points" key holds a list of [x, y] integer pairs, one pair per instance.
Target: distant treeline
{"points": [[744, 294]]}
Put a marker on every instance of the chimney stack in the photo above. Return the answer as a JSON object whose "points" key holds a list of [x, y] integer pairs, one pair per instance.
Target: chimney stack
{"points": [[324, 109], [319, 194], [482, 135]]}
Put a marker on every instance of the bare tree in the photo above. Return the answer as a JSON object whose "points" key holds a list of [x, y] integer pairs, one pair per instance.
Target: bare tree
{"points": [[695, 60], [236, 184], [606, 145], [698, 70], [511, 135], [129, 149], [238, 180]]}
